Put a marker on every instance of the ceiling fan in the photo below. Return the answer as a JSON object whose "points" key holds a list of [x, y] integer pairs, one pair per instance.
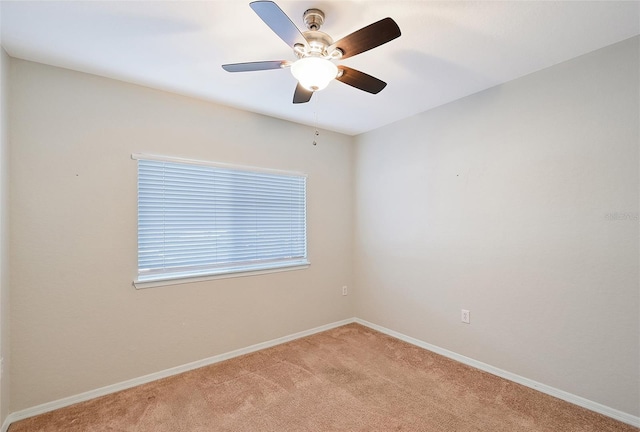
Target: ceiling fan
{"points": [[316, 51]]}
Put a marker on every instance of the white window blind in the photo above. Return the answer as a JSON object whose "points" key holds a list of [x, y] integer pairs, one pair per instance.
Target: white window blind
{"points": [[198, 220]]}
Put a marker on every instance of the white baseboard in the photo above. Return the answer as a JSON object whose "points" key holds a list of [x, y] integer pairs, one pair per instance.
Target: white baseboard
{"points": [[552, 391], [103, 391]]}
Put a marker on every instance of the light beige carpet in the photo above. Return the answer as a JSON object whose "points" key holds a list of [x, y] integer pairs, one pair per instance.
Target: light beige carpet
{"points": [[347, 379]]}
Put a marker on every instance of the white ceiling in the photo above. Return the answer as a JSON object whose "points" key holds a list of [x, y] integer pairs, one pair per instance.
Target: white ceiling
{"points": [[448, 49]]}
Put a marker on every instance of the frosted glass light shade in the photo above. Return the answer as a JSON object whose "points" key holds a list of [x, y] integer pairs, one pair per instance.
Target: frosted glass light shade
{"points": [[314, 73]]}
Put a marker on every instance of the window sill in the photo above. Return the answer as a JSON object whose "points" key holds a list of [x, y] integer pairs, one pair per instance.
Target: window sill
{"points": [[137, 284]]}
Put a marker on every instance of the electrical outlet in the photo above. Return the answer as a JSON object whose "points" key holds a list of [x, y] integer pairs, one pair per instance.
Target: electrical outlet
{"points": [[465, 316], [344, 290]]}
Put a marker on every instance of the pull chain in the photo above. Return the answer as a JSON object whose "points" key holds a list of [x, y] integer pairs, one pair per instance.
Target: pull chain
{"points": [[316, 133]]}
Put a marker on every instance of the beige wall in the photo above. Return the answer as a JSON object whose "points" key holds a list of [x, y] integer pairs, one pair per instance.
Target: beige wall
{"points": [[77, 323], [502, 203], [4, 237]]}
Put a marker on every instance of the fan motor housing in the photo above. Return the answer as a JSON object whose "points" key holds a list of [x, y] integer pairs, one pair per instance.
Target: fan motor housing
{"points": [[318, 42]]}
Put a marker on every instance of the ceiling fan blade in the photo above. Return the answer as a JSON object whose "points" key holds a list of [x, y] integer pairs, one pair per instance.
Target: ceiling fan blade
{"points": [[301, 95], [278, 21], [360, 80], [256, 66], [368, 37]]}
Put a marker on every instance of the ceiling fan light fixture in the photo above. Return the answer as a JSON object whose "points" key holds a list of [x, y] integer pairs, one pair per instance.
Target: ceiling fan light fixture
{"points": [[316, 51], [314, 73]]}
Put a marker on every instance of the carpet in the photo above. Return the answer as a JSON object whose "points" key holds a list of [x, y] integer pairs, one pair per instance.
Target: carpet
{"points": [[350, 378]]}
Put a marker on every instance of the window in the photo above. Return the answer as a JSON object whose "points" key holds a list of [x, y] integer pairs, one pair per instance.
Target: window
{"points": [[198, 219]]}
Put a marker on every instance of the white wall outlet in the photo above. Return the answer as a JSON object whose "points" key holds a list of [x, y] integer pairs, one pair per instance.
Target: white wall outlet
{"points": [[465, 316], [344, 290]]}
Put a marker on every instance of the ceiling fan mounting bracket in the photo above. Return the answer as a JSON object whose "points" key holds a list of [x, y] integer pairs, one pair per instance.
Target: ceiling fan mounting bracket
{"points": [[313, 19]]}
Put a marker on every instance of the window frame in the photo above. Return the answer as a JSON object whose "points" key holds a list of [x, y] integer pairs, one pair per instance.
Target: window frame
{"points": [[168, 279]]}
